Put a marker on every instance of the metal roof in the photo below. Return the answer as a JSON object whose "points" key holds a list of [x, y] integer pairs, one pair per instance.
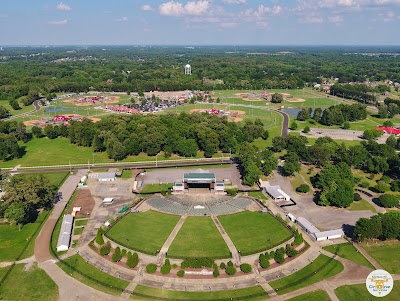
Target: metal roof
{"points": [[328, 233], [276, 192], [199, 176], [106, 175], [307, 225], [65, 231]]}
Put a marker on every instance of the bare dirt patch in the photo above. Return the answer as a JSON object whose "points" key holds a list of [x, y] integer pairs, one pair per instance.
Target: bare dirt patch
{"points": [[237, 119], [296, 100], [32, 123], [94, 119], [238, 112], [84, 200]]}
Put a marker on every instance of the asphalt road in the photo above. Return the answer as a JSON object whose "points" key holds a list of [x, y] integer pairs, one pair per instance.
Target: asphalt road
{"points": [[160, 164]]}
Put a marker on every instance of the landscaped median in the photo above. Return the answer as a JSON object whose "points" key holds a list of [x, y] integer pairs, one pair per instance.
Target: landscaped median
{"points": [[149, 293], [321, 268]]}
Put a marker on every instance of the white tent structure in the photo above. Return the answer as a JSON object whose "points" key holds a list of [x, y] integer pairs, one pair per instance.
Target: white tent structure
{"points": [[276, 193], [65, 233]]}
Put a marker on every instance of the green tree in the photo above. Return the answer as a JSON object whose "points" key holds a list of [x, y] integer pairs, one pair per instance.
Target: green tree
{"points": [[4, 113], [277, 98], [291, 164], [391, 141], [14, 104], [17, 212], [293, 125], [37, 131], [99, 236], [389, 200], [306, 129]]}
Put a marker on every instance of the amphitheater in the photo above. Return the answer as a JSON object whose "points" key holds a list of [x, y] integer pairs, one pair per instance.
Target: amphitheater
{"points": [[199, 205]]}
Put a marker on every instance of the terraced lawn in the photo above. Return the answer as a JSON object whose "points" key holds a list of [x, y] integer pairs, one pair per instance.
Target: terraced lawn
{"points": [[358, 292], [149, 293], [253, 232], [199, 237], [312, 296], [321, 268], [144, 231]]}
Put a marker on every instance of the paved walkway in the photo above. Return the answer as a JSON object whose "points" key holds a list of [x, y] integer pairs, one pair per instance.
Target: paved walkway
{"points": [[170, 239], [31, 259], [369, 258], [228, 240], [42, 241]]}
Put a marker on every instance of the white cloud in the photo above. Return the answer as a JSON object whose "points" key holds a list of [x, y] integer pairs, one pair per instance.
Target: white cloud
{"points": [[123, 19], [194, 8], [146, 7], [228, 24], [336, 19], [262, 11], [60, 22], [234, 1], [313, 19], [63, 7], [387, 16]]}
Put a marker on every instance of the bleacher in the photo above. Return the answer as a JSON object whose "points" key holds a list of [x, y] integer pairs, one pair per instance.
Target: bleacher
{"points": [[223, 205]]}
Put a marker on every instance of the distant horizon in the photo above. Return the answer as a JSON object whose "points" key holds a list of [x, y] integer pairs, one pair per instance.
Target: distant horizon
{"points": [[201, 22]]}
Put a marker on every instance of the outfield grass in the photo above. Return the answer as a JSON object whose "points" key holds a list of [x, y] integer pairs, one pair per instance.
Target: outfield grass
{"points": [[253, 232], [348, 251], [321, 268], [75, 265], [149, 293], [384, 254], [30, 285], [155, 188], [257, 195], [358, 292], [361, 205], [312, 296], [198, 237], [13, 241], [145, 231]]}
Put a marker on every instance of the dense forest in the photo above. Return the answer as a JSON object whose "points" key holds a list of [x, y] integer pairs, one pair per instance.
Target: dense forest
{"points": [[30, 71]]}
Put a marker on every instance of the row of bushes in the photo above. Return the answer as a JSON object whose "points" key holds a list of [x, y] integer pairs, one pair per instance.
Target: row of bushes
{"points": [[278, 255]]}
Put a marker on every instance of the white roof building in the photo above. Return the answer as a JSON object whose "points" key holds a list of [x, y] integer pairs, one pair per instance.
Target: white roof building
{"points": [[65, 233], [276, 193], [108, 201], [330, 234], [106, 176], [306, 225]]}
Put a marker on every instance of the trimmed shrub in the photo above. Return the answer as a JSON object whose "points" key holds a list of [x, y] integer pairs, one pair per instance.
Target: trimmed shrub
{"points": [[180, 273], [364, 184], [117, 255], [222, 265], [290, 252], [232, 191], [303, 188], [99, 237], [230, 270], [279, 256], [395, 185], [166, 262], [151, 268], [133, 260], [357, 197], [389, 200], [298, 238], [245, 268], [165, 269], [123, 253], [230, 263], [215, 266], [215, 273], [175, 266], [306, 129], [381, 186], [105, 250], [386, 179], [197, 263], [264, 261], [272, 254]]}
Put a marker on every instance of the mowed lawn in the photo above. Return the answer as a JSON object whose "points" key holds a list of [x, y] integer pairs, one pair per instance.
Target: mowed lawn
{"points": [[384, 254], [347, 251], [86, 273], [321, 268], [312, 296], [31, 285], [358, 292], [199, 237], [13, 241], [149, 293], [144, 231], [253, 232]]}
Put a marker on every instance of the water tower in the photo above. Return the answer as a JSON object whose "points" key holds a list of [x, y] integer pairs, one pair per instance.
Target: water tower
{"points": [[188, 70]]}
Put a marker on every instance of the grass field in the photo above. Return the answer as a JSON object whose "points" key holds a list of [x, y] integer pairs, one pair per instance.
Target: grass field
{"points": [[253, 232], [312, 296], [155, 188], [199, 237], [358, 292], [23, 285], [78, 231], [257, 194], [149, 293], [321, 268], [13, 112], [55, 178], [81, 222], [361, 205], [126, 174], [383, 253], [347, 251], [145, 231], [13, 241], [76, 263]]}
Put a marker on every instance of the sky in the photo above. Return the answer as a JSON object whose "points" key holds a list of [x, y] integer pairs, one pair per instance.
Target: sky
{"points": [[202, 22]]}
